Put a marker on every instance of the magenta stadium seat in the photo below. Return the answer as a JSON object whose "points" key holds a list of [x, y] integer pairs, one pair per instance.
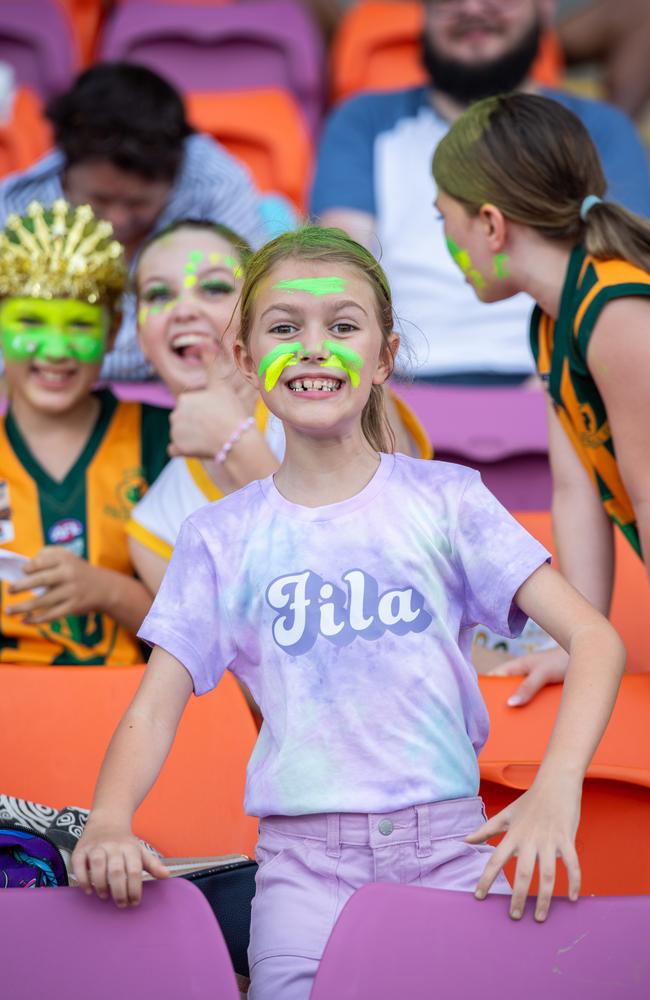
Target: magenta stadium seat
{"points": [[36, 40], [64, 945], [399, 941], [260, 43], [502, 432]]}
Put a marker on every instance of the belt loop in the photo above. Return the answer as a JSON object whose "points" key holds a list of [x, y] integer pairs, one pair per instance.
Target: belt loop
{"points": [[424, 848], [333, 846]]}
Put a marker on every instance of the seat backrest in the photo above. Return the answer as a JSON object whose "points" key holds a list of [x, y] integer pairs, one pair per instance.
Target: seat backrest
{"points": [[54, 738], [36, 39], [26, 137], [613, 853], [377, 47], [400, 941], [502, 432], [631, 598], [265, 130], [261, 43], [86, 18], [60, 943]]}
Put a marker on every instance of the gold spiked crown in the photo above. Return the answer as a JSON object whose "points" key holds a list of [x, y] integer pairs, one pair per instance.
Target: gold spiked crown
{"points": [[61, 252]]}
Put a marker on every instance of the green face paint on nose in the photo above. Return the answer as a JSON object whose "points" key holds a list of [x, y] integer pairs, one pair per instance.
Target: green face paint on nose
{"points": [[52, 329], [464, 261]]}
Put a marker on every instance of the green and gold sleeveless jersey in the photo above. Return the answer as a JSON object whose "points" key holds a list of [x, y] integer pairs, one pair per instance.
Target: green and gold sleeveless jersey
{"points": [[560, 350], [87, 512]]}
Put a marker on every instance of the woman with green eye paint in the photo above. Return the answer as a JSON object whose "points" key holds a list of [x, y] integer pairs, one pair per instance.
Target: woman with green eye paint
{"points": [[73, 461], [188, 281]]}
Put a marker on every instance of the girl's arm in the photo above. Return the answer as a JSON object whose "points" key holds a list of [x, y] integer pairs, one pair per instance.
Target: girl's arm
{"points": [[149, 566], [108, 857], [619, 361], [585, 548], [74, 587], [541, 825]]}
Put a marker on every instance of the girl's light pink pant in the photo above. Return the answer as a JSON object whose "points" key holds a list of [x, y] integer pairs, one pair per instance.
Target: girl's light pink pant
{"points": [[311, 865]]}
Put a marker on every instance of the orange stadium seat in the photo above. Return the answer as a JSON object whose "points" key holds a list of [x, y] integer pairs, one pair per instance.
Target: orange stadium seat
{"points": [[376, 47], [27, 136], [54, 736], [86, 18], [265, 130], [631, 599], [614, 831]]}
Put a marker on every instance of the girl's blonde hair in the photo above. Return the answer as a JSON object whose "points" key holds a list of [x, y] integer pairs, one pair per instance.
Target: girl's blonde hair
{"points": [[535, 160], [331, 246]]}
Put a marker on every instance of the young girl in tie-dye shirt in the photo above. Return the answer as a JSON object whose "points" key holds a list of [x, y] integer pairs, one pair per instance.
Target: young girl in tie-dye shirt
{"points": [[343, 591]]}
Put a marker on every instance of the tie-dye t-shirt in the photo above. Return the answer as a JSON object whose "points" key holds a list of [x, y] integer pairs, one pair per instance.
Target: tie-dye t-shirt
{"points": [[351, 624]]}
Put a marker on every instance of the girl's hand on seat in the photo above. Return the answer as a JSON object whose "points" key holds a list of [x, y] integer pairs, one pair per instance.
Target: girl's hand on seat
{"points": [[546, 667], [109, 860], [540, 826]]}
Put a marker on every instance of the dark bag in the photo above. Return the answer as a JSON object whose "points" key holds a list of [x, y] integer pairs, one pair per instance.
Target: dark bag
{"points": [[229, 889], [29, 860]]}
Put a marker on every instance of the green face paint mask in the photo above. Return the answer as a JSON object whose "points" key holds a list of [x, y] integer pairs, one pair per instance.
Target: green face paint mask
{"points": [[285, 355], [52, 329], [464, 261]]}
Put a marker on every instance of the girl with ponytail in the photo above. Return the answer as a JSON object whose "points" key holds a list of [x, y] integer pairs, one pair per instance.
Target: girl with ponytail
{"points": [[522, 193]]}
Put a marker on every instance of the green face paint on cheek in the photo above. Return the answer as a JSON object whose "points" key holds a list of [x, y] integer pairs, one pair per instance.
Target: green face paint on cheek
{"points": [[344, 358], [313, 286], [52, 329], [501, 269], [464, 261], [276, 360]]}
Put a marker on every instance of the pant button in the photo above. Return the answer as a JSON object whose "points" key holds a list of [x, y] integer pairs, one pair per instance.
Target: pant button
{"points": [[385, 827]]}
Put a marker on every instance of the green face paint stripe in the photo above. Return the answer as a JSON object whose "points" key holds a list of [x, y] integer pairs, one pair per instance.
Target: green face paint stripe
{"points": [[277, 352], [313, 286], [346, 354], [501, 269], [276, 368]]}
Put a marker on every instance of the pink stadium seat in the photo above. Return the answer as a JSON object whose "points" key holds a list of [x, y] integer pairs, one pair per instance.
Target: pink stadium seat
{"points": [[499, 431], [62, 944], [396, 941], [261, 43], [36, 39]]}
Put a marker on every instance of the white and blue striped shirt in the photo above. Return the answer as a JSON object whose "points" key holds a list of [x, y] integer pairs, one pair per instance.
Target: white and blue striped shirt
{"points": [[210, 185]]}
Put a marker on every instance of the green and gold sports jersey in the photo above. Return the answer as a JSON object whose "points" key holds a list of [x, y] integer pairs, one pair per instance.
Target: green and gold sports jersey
{"points": [[87, 512], [560, 350]]}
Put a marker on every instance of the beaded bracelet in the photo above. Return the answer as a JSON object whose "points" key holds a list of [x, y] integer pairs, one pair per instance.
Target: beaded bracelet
{"points": [[222, 455]]}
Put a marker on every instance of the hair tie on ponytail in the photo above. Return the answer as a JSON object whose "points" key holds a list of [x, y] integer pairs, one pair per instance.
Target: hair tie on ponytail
{"points": [[587, 204]]}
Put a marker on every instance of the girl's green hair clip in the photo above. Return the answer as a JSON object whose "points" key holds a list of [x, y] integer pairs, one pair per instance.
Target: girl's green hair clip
{"points": [[273, 364]]}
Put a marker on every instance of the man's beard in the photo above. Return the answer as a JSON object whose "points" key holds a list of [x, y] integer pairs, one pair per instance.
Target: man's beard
{"points": [[467, 83]]}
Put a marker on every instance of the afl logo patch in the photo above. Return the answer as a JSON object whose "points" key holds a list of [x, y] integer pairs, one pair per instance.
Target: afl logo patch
{"points": [[66, 532]]}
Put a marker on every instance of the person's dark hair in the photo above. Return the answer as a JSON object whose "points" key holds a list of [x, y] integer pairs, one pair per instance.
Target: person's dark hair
{"points": [[125, 114]]}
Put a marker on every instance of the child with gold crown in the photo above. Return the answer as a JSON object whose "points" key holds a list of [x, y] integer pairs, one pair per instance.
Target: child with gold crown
{"points": [[73, 461]]}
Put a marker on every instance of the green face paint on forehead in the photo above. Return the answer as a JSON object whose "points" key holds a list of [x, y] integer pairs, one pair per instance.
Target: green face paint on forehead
{"points": [[464, 262], [313, 286], [52, 329], [276, 360]]}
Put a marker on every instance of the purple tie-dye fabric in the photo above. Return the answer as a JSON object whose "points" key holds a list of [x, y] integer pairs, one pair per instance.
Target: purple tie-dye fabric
{"points": [[351, 624]]}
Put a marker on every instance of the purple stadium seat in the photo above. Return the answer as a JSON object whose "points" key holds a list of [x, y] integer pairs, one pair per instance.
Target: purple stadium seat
{"points": [[64, 945], [501, 432], [260, 43], [35, 39], [400, 941]]}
